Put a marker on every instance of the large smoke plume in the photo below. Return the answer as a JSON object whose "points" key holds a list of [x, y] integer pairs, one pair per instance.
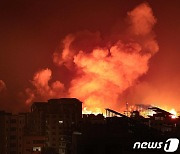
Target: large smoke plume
{"points": [[43, 89], [101, 70]]}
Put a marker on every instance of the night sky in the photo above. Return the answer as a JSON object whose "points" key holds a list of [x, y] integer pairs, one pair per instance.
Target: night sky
{"points": [[31, 30]]}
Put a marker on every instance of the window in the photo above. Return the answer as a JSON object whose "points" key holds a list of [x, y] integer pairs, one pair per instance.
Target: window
{"points": [[13, 129], [38, 141], [53, 145], [60, 121], [13, 121], [12, 145], [12, 137], [36, 148]]}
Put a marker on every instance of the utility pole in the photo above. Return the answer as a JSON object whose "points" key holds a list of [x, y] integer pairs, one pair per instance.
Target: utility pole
{"points": [[127, 109]]}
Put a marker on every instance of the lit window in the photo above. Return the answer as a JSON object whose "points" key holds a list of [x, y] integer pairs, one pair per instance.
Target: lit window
{"points": [[60, 121], [36, 148]]}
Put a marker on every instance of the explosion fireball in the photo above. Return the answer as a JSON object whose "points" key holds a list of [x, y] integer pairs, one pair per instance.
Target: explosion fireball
{"points": [[101, 72]]}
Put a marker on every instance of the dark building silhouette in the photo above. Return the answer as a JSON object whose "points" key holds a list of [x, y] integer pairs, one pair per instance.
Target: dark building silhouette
{"points": [[162, 120], [48, 126], [56, 120], [58, 127], [11, 132], [117, 132]]}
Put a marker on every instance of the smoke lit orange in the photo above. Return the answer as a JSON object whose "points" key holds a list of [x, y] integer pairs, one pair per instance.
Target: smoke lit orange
{"points": [[101, 73]]}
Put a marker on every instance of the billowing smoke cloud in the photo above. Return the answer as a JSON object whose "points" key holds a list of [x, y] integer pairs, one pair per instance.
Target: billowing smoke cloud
{"points": [[43, 89], [103, 73], [102, 70], [141, 19], [2, 86], [72, 44]]}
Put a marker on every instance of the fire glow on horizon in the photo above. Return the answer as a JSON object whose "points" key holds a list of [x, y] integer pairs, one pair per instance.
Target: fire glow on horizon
{"points": [[175, 115], [146, 113], [143, 112]]}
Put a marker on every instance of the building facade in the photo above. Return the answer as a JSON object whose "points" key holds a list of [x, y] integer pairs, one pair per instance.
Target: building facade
{"points": [[49, 125]]}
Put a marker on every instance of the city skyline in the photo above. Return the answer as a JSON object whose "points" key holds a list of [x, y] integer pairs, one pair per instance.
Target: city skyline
{"points": [[58, 126]]}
